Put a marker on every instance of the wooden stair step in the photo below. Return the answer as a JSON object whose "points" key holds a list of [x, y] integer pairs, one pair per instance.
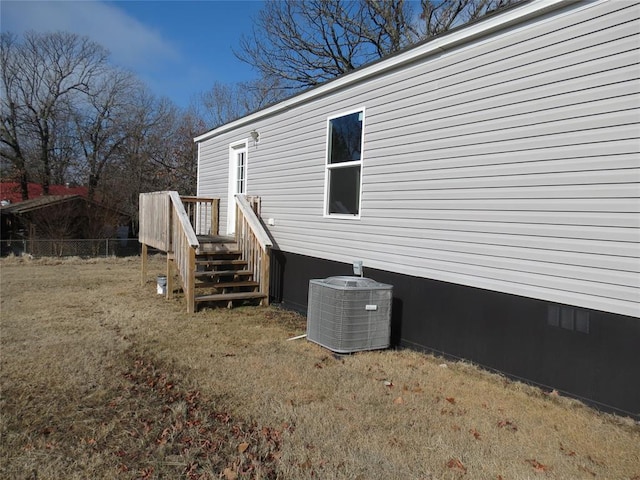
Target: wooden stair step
{"points": [[221, 262], [223, 273], [220, 297], [232, 251], [218, 257], [218, 248], [248, 283]]}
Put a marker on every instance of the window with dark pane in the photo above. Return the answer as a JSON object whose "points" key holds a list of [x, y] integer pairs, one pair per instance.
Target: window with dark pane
{"points": [[241, 172], [344, 164], [345, 140], [344, 190]]}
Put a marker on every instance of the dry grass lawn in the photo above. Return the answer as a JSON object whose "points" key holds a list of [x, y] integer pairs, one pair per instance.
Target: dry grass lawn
{"points": [[102, 378]]}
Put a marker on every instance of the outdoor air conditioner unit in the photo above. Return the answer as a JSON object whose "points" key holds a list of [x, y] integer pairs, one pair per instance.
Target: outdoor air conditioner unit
{"points": [[349, 314]]}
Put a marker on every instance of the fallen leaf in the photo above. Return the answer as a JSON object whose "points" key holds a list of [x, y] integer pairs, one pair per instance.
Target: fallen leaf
{"points": [[475, 433], [508, 424], [450, 400], [537, 466], [229, 474], [569, 453], [456, 464], [146, 472], [398, 401], [388, 383], [243, 447]]}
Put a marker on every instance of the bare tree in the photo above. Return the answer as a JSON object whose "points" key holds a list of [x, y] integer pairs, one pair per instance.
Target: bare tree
{"points": [[40, 75], [220, 104], [69, 115], [386, 25], [184, 170], [143, 162], [223, 102], [11, 148], [101, 122], [164, 147], [440, 16], [305, 43], [64, 154]]}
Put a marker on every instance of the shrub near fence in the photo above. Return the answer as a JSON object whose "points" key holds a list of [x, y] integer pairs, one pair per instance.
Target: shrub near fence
{"points": [[102, 247]]}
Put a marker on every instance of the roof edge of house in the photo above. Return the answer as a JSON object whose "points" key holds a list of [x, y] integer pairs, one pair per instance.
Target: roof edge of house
{"points": [[466, 33]]}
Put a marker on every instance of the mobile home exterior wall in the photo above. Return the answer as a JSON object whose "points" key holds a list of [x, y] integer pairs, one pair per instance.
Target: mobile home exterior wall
{"points": [[501, 159]]}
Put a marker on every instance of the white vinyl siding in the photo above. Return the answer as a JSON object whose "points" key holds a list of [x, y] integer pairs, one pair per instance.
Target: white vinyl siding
{"points": [[511, 163]]}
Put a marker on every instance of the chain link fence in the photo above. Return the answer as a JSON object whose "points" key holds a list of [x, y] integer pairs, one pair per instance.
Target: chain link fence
{"points": [[102, 247]]}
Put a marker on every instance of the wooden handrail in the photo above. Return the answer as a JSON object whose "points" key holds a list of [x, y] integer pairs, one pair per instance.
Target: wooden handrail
{"points": [[165, 225], [203, 214], [254, 222], [254, 243], [184, 245], [181, 220]]}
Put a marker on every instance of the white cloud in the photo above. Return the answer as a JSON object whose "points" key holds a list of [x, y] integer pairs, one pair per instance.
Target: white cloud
{"points": [[131, 43]]}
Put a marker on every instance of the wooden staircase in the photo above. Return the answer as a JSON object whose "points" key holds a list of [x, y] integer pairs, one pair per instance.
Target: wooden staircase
{"points": [[222, 275], [211, 268]]}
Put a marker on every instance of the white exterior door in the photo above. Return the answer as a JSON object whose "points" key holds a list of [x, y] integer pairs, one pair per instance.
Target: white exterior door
{"points": [[237, 181]]}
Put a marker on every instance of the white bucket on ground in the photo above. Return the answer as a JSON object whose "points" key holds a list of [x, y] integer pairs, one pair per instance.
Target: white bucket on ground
{"points": [[162, 285]]}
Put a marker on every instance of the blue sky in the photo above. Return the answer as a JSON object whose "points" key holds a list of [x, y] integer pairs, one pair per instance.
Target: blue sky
{"points": [[178, 48]]}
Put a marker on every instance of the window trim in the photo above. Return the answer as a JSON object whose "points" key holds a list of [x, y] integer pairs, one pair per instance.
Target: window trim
{"points": [[329, 166]]}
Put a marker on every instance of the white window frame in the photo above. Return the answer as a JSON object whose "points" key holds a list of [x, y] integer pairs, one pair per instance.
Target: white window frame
{"points": [[328, 166], [234, 148]]}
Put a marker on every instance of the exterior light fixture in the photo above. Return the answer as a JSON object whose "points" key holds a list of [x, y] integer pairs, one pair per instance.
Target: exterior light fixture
{"points": [[255, 136]]}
